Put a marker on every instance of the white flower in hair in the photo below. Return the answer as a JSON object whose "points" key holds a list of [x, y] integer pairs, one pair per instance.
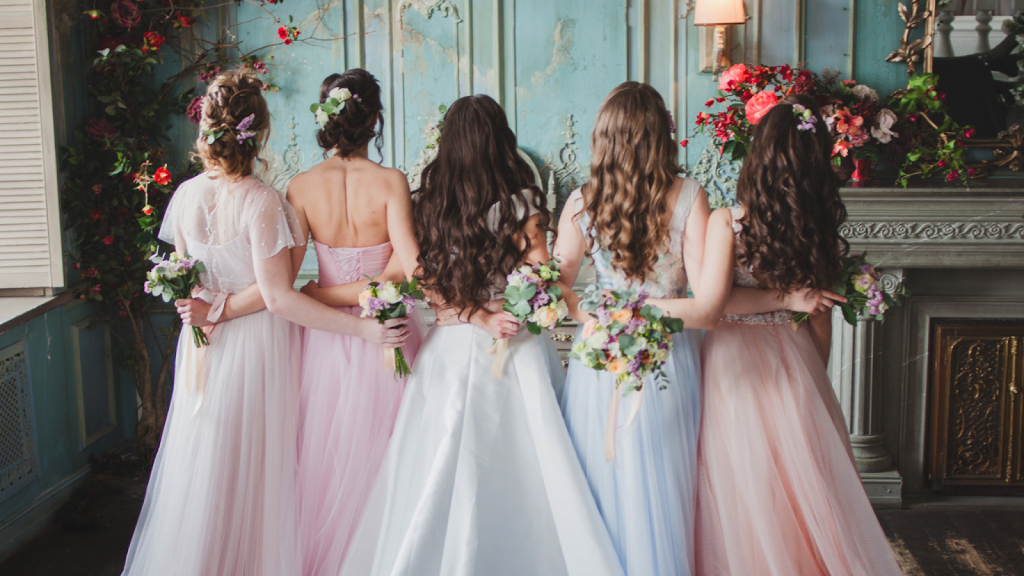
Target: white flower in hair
{"points": [[341, 95], [322, 117]]}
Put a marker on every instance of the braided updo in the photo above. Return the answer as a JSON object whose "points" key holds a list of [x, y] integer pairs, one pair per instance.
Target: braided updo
{"points": [[360, 121], [230, 98]]}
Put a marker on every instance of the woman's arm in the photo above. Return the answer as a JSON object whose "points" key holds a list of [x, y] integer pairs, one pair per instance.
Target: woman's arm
{"points": [[694, 238], [281, 299], [400, 226], [707, 306], [821, 328]]}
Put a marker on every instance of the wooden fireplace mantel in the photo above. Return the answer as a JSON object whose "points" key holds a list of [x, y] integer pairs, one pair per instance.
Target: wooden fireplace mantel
{"points": [[938, 227]]}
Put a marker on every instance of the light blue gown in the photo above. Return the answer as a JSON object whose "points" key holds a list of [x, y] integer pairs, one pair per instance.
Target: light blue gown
{"points": [[645, 495]]}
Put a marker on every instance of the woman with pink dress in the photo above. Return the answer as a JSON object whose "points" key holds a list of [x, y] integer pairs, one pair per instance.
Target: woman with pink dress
{"points": [[359, 213], [778, 493], [221, 496]]}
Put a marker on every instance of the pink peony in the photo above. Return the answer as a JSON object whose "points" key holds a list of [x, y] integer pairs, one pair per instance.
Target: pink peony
{"points": [[99, 129], [733, 77], [759, 105], [125, 13], [195, 110]]}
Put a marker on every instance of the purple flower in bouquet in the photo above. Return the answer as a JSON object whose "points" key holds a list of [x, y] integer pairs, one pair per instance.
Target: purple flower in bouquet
{"points": [[541, 299], [374, 305], [409, 301]]}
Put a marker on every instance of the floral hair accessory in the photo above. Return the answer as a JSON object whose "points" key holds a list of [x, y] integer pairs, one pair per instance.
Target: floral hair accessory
{"points": [[805, 118], [334, 103], [671, 122], [243, 130]]}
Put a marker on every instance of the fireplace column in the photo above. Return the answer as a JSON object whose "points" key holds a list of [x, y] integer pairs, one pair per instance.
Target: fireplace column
{"points": [[856, 372]]}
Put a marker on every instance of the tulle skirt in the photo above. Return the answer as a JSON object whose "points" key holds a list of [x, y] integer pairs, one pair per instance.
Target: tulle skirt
{"points": [[220, 500], [778, 492], [646, 495], [349, 402], [481, 475]]}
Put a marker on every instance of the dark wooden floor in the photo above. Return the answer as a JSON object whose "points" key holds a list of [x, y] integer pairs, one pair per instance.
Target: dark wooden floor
{"points": [[93, 533], [958, 540]]}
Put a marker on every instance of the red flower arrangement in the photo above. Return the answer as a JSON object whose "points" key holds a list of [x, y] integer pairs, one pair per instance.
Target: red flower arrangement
{"points": [[162, 176], [152, 41]]}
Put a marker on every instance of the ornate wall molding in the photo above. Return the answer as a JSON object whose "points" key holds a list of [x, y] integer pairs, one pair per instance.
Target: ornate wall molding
{"points": [[718, 177], [933, 231], [564, 173], [937, 227]]}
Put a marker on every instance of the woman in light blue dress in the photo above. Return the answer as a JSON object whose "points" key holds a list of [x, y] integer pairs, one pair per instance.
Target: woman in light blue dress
{"points": [[644, 227]]}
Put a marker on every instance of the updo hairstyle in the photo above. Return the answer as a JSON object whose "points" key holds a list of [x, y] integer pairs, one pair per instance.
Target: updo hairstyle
{"points": [[362, 119], [230, 98]]}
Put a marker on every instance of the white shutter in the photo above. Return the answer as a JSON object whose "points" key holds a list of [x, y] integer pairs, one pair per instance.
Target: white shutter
{"points": [[30, 239]]}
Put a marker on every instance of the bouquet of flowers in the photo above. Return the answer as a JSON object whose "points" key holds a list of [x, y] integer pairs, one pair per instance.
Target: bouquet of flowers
{"points": [[174, 279], [387, 300], [532, 297], [866, 298], [629, 339]]}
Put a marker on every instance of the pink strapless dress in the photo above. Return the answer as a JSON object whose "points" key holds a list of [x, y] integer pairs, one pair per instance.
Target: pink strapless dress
{"points": [[349, 403]]}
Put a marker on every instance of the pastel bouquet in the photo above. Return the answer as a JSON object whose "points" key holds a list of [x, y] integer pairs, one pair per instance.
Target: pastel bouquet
{"points": [[629, 339], [385, 301], [534, 299], [861, 285], [174, 279]]}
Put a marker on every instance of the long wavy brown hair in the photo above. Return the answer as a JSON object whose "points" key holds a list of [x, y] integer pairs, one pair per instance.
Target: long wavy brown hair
{"points": [[477, 165], [790, 194], [633, 165]]}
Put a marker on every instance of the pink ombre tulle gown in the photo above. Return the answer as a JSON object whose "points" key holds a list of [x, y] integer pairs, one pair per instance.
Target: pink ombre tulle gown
{"points": [[777, 490], [349, 402]]}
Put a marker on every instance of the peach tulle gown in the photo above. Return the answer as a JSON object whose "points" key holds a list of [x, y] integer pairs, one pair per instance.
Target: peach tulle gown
{"points": [[777, 490], [348, 405]]}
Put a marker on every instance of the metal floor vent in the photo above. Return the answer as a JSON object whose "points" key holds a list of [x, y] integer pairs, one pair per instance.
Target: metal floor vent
{"points": [[18, 462]]}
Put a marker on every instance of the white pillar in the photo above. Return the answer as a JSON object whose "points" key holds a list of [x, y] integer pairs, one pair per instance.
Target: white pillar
{"points": [[983, 16], [944, 28]]}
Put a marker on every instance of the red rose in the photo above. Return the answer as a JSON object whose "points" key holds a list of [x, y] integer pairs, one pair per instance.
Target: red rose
{"points": [[952, 176], [971, 172], [162, 176], [195, 110], [97, 289], [125, 13], [684, 143], [147, 210], [108, 240], [282, 33], [733, 77], [96, 214], [153, 40], [287, 41], [709, 103], [99, 129], [969, 133], [941, 164], [759, 105], [186, 21]]}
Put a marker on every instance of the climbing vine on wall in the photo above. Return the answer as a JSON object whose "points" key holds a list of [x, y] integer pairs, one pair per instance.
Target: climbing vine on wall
{"points": [[116, 175]]}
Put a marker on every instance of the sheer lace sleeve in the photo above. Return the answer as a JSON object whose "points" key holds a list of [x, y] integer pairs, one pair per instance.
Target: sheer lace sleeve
{"points": [[172, 222], [272, 223]]}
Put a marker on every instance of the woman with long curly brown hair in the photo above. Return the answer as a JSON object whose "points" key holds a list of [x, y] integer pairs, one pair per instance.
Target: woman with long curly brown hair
{"points": [[643, 227], [482, 475], [777, 490]]}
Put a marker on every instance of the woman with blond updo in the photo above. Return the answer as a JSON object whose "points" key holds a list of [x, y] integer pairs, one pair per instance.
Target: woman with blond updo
{"points": [[221, 497]]}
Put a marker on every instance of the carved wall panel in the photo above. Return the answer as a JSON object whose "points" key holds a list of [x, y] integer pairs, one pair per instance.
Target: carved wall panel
{"points": [[976, 400], [19, 463]]}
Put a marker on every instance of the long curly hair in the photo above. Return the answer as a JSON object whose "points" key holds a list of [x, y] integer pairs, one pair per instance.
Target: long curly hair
{"points": [[633, 165], [790, 194], [230, 98], [362, 119], [462, 257]]}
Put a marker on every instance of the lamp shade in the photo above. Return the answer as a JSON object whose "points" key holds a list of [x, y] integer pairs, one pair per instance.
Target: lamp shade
{"points": [[718, 13]]}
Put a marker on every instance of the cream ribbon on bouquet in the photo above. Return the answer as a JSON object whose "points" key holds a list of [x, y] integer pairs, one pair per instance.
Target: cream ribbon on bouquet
{"points": [[500, 352], [195, 357], [612, 427]]}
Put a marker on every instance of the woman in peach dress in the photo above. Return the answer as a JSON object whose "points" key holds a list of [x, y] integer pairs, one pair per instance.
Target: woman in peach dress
{"points": [[777, 490]]}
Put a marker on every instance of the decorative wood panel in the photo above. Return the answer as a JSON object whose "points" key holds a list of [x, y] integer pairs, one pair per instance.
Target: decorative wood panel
{"points": [[18, 460], [94, 381], [976, 407]]}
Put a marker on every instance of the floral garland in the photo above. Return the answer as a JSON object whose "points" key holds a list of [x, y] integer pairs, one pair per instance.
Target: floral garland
{"points": [[911, 130]]}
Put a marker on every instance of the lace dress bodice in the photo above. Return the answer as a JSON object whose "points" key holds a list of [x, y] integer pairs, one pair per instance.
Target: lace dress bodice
{"points": [[344, 265], [668, 279], [228, 224], [744, 277]]}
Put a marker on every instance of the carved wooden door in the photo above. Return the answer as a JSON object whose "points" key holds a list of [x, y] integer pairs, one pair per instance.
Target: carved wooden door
{"points": [[976, 407]]}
